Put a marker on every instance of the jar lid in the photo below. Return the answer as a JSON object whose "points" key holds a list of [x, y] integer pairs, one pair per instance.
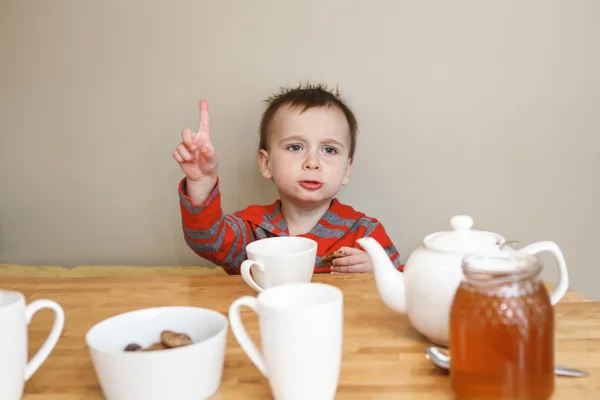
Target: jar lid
{"points": [[463, 239]]}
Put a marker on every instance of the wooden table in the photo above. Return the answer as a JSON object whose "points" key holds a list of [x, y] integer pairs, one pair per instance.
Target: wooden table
{"points": [[382, 359]]}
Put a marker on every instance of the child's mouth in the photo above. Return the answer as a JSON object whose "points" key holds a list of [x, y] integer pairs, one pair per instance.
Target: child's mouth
{"points": [[311, 185]]}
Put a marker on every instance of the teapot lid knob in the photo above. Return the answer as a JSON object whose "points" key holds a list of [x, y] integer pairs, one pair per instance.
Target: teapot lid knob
{"points": [[461, 222]]}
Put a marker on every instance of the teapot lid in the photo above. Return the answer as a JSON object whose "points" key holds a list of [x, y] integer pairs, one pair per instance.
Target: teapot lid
{"points": [[463, 239]]}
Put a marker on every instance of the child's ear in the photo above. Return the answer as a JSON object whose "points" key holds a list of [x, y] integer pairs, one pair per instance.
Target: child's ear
{"points": [[346, 179], [263, 163]]}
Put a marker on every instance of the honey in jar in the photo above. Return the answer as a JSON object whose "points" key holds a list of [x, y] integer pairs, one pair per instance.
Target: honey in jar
{"points": [[502, 330]]}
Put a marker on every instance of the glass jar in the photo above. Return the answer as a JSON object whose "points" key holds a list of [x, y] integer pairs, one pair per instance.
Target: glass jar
{"points": [[502, 330]]}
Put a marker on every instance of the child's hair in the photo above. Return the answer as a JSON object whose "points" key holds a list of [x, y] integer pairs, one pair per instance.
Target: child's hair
{"points": [[307, 96]]}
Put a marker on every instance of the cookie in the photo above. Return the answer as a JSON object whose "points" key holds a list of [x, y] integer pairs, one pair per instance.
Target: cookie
{"points": [[155, 346], [329, 258], [133, 347], [168, 340], [174, 339]]}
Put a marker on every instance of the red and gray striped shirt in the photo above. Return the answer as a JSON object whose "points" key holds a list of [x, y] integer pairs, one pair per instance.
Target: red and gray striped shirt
{"points": [[222, 238]]}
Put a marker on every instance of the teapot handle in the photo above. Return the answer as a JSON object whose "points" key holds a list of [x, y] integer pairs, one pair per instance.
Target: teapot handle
{"points": [[563, 277]]}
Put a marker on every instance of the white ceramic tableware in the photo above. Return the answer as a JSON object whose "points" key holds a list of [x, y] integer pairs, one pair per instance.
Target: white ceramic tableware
{"points": [[424, 291], [301, 331], [279, 260], [15, 316], [191, 372]]}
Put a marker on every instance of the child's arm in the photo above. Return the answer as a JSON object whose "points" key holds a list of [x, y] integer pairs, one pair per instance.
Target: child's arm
{"points": [[384, 240], [211, 234], [356, 259], [218, 238]]}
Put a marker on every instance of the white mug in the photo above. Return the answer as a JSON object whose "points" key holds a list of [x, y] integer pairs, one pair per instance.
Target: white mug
{"points": [[301, 331], [14, 318], [279, 260]]}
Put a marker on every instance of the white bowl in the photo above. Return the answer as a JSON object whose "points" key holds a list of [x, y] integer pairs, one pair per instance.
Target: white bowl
{"points": [[189, 372]]}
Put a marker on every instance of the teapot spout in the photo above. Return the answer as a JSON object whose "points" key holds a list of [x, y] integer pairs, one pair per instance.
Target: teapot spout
{"points": [[389, 281]]}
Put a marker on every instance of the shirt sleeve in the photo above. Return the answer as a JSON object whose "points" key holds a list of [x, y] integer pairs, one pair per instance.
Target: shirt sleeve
{"points": [[378, 233], [215, 236]]}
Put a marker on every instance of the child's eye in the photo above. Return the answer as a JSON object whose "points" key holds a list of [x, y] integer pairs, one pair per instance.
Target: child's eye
{"points": [[330, 150], [294, 147]]}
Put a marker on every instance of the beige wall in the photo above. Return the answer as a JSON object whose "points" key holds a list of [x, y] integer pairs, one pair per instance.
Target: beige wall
{"points": [[485, 108]]}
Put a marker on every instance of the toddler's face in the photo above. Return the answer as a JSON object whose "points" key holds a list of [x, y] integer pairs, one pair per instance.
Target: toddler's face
{"points": [[308, 154]]}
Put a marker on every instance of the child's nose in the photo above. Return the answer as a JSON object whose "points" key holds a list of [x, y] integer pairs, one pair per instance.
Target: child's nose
{"points": [[312, 163]]}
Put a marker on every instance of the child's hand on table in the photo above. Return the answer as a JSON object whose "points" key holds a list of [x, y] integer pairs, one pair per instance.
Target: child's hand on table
{"points": [[355, 260]]}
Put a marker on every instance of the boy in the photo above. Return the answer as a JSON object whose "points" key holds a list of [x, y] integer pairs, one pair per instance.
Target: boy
{"points": [[307, 143]]}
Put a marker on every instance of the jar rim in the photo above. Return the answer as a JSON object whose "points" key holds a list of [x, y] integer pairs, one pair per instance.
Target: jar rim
{"points": [[500, 266]]}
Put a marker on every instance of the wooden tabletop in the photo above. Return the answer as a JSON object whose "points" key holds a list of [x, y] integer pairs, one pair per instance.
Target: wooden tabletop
{"points": [[382, 358]]}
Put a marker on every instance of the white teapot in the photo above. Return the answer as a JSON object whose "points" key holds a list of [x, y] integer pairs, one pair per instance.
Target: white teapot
{"points": [[432, 273]]}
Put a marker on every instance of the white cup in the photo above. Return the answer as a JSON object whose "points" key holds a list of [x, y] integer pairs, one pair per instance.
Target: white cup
{"points": [[301, 331], [15, 315], [279, 260]]}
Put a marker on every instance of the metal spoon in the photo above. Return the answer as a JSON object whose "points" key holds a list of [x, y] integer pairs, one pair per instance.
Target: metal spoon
{"points": [[439, 358]]}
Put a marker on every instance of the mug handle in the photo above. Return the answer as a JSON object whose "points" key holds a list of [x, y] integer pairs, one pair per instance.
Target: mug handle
{"points": [[241, 335], [245, 271], [51, 340], [563, 278]]}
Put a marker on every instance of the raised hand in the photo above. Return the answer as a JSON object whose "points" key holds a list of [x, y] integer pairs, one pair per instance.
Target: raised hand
{"points": [[195, 154]]}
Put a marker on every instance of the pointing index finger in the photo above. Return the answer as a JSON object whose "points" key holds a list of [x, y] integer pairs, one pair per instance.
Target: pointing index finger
{"points": [[204, 118]]}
